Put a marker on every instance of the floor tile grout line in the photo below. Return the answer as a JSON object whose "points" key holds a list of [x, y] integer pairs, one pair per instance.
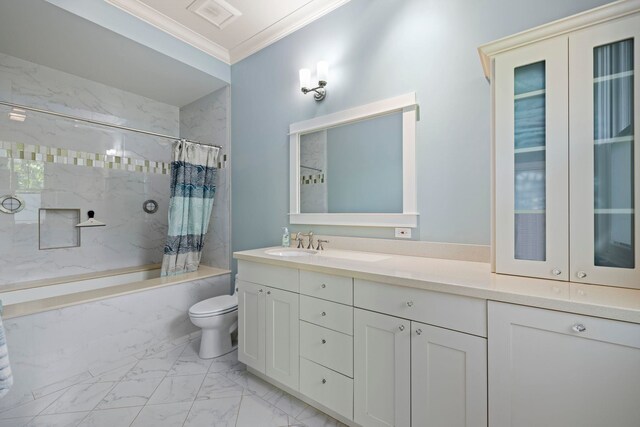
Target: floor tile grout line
{"points": [[194, 399], [147, 402]]}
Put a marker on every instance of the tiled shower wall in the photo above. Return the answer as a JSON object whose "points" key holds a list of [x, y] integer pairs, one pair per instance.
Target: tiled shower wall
{"points": [[206, 120], [58, 163]]}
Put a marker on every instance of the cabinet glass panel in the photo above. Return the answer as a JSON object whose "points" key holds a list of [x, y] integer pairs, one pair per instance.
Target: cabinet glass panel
{"points": [[529, 162], [613, 155]]}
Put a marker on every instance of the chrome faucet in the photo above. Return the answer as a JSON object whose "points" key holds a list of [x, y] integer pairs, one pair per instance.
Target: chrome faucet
{"points": [[300, 239], [320, 242]]}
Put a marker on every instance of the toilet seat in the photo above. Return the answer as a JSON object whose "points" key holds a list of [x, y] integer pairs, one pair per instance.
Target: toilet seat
{"points": [[215, 306]]}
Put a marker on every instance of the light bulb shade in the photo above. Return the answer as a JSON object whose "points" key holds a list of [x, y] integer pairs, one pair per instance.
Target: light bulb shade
{"points": [[323, 71], [305, 78]]}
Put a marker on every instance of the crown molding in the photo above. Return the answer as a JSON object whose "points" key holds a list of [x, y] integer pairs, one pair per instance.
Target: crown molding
{"points": [[264, 38], [281, 29], [151, 16], [585, 19]]}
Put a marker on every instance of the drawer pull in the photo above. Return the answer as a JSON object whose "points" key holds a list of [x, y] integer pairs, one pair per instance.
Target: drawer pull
{"points": [[323, 313], [401, 327], [409, 303], [324, 341], [418, 331], [323, 286], [579, 327], [268, 292], [261, 290], [581, 274], [324, 381]]}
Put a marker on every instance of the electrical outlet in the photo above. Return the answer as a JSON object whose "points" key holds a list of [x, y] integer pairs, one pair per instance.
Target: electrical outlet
{"points": [[403, 233]]}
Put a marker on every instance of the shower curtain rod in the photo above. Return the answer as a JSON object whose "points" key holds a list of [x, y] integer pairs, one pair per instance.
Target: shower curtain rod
{"points": [[99, 123]]}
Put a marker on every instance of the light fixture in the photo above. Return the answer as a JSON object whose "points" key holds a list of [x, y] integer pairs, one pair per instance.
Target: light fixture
{"points": [[305, 81], [17, 115]]}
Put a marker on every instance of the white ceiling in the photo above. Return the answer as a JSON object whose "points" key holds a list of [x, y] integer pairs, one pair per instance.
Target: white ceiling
{"points": [[261, 22], [37, 31]]}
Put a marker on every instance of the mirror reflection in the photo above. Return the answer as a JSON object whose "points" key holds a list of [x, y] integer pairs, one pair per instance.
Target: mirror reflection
{"points": [[353, 168]]}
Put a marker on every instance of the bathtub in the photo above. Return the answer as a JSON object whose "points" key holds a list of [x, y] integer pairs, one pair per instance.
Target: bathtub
{"points": [[74, 327], [32, 297]]}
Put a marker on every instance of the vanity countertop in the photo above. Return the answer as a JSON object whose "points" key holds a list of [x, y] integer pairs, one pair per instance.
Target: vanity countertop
{"points": [[473, 279]]}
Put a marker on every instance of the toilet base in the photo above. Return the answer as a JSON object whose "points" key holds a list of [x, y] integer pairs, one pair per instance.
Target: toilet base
{"points": [[214, 343]]}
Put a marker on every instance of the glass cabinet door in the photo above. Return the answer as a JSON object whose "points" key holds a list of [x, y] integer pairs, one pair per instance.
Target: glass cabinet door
{"points": [[531, 179], [604, 154]]}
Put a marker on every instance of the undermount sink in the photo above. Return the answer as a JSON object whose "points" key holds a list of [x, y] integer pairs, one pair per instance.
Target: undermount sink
{"points": [[289, 253]]}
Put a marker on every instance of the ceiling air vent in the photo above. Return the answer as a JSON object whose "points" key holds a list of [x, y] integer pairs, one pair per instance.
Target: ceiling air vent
{"points": [[218, 12]]}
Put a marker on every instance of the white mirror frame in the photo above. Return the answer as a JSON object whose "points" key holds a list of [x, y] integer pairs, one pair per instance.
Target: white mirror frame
{"points": [[409, 216]]}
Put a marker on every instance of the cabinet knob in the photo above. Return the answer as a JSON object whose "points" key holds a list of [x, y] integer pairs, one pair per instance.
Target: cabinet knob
{"points": [[261, 290], [581, 274], [324, 381], [556, 272], [323, 286], [401, 327], [324, 341], [409, 303], [268, 292], [579, 327], [323, 313], [418, 331]]}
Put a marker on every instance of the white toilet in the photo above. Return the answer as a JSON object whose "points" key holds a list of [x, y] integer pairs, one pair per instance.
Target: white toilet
{"points": [[218, 318]]}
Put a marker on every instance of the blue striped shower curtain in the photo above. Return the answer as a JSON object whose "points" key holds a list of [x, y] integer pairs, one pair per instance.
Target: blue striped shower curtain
{"points": [[193, 173]]}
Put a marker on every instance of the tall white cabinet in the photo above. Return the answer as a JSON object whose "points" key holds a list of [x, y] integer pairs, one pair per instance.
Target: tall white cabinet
{"points": [[567, 159]]}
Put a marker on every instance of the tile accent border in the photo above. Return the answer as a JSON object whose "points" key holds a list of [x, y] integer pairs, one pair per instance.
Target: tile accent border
{"points": [[312, 179], [41, 153]]}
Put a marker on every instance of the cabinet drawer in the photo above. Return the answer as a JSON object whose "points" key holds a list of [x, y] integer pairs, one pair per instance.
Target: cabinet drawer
{"points": [[326, 347], [329, 388], [270, 275], [327, 286], [326, 313], [455, 312]]}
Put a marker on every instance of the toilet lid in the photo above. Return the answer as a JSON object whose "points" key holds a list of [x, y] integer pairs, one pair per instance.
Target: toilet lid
{"points": [[217, 305]]}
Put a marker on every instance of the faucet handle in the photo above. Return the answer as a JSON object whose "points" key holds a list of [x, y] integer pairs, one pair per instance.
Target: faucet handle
{"points": [[320, 242], [310, 245]]}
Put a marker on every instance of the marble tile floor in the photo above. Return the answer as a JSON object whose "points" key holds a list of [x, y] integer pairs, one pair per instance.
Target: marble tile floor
{"points": [[170, 388]]}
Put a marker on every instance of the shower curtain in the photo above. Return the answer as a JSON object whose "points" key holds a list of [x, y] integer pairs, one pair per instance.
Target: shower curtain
{"points": [[193, 172]]}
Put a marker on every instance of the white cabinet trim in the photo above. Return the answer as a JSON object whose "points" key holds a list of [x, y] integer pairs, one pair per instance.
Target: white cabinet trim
{"points": [[585, 19]]}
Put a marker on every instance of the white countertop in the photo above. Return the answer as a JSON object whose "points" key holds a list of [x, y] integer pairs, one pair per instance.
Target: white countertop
{"points": [[466, 278]]}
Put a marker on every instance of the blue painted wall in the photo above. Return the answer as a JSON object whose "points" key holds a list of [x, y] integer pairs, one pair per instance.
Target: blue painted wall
{"points": [[119, 21], [364, 166], [378, 49]]}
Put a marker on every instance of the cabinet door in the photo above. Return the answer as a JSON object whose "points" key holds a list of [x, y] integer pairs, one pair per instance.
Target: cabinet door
{"points": [[282, 345], [605, 155], [251, 325], [531, 158], [554, 369], [382, 364], [448, 378]]}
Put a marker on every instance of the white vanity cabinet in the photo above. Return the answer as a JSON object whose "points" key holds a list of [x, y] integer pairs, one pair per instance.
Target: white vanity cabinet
{"points": [[268, 321], [409, 373], [567, 159], [382, 370], [555, 369]]}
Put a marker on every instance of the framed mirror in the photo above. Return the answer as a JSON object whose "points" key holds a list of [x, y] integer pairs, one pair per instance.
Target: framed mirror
{"points": [[356, 167]]}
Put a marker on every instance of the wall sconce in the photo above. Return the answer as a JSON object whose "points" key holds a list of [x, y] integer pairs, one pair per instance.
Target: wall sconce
{"points": [[305, 81]]}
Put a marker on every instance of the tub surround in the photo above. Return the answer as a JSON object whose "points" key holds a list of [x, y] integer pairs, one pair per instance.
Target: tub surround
{"points": [[43, 179], [466, 278]]}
